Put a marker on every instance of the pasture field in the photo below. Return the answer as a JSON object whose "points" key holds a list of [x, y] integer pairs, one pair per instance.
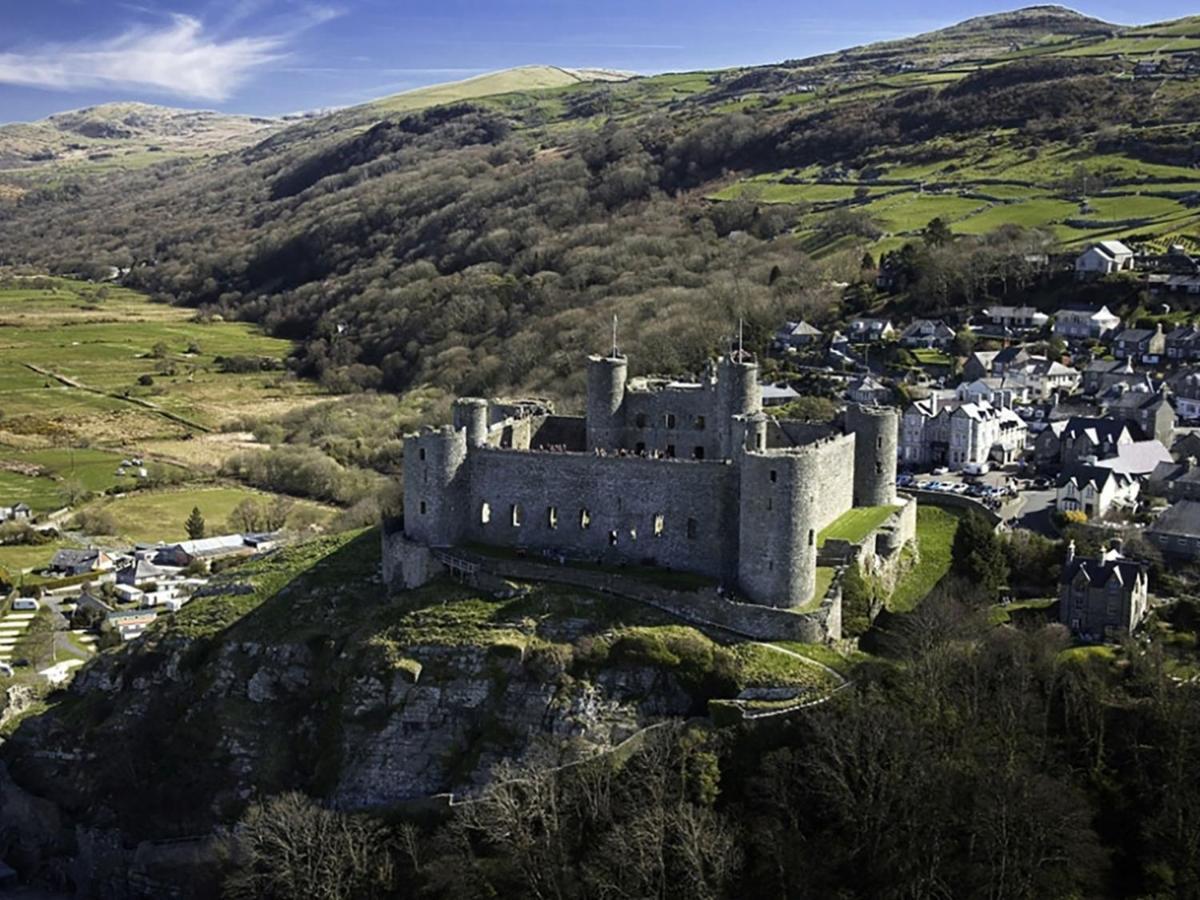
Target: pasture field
{"points": [[47, 479], [124, 351], [160, 515]]}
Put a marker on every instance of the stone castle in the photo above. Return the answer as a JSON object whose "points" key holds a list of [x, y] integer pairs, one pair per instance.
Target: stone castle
{"points": [[691, 476]]}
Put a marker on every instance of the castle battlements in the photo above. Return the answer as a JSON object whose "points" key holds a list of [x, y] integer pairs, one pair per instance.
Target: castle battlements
{"points": [[686, 475]]}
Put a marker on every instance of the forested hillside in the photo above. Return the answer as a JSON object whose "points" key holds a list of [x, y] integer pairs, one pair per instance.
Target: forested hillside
{"points": [[483, 246]]}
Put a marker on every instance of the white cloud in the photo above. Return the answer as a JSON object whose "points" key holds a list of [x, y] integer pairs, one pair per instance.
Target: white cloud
{"points": [[174, 59]]}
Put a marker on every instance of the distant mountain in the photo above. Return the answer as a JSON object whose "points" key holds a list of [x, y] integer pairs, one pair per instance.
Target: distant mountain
{"points": [[125, 134]]}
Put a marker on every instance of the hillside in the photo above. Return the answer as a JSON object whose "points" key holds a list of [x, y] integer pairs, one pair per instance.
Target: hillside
{"points": [[482, 245], [523, 78], [125, 135]]}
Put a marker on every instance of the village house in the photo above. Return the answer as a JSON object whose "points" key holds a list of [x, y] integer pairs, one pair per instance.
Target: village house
{"points": [[1066, 444], [1177, 531], [936, 431], [1103, 258], [866, 390], [1149, 409], [1175, 480], [1010, 359], [796, 336], [1101, 374], [868, 331], [1187, 446], [927, 333], [1001, 321], [979, 364], [70, 563], [1045, 377], [141, 571], [1145, 345], [778, 394], [1085, 324], [1094, 490], [1138, 459], [18, 512], [1182, 344], [1187, 397], [1104, 597]]}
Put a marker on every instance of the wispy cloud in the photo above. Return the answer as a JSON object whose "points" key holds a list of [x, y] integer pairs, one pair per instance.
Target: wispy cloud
{"points": [[177, 58]]}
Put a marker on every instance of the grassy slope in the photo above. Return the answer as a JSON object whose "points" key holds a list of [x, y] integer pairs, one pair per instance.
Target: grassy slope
{"points": [[524, 78], [936, 528]]}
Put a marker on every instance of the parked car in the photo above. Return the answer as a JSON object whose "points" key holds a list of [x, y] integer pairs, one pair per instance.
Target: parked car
{"points": [[25, 604], [977, 468], [941, 470]]}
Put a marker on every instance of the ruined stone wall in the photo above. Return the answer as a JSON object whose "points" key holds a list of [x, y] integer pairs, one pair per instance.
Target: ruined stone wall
{"points": [[435, 485], [679, 514], [677, 420]]}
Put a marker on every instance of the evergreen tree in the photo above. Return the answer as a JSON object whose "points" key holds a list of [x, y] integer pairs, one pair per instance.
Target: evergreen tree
{"points": [[979, 554], [195, 524]]}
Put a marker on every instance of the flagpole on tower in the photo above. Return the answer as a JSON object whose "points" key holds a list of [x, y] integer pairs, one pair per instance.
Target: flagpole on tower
{"points": [[614, 347], [740, 324]]}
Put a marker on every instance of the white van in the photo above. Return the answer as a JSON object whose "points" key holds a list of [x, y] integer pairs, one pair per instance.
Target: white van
{"points": [[25, 604], [976, 468]]}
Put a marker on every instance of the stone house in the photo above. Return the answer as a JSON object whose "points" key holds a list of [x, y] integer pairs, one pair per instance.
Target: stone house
{"points": [[1103, 258], [1085, 324], [865, 331], [1187, 396], [1010, 359], [1177, 531], [957, 433], [796, 336], [1187, 446], [869, 392], [1149, 409], [1015, 319], [1101, 374], [1104, 597], [928, 333], [1182, 344], [1070, 443], [1094, 490], [70, 563], [1146, 345], [979, 364]]}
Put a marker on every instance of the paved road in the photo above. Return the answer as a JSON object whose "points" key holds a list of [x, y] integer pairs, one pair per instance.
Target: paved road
{"points": [[1035, 514]]}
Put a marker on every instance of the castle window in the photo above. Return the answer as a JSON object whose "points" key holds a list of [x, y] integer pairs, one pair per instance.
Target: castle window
{"points": [[641, 420], [585, 519], [812, 535], [698, 453], [878, 468], [485, 513], [421, 453], [660, 525], [693, 529], [774, 476], [879, 443], [612, 538], [760, 440], [770, 503], [670, 420], [770, 565], [640, 447], [516, 516], [552, 516], [423, 507], [699, 423], [670, 451]]}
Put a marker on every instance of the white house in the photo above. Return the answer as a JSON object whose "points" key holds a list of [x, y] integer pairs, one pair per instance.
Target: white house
{"points": [[1081, 324], [1103, 258], [18, 512], [957, 433], [1095, 490]]}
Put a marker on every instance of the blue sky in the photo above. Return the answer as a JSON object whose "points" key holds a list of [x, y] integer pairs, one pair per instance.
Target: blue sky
{"points": [[270, 57]]}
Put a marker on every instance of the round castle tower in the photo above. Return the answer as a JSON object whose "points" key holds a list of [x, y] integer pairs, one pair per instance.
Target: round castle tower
{"points": [[738, 394], [605, 401], [876, 431], [777, 540], [471, 413], [434, 490]]}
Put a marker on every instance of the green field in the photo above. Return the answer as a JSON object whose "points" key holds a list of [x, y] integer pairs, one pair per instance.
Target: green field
{"points": [[160, 515], [856, 524], [936, 528], [65, 472], [106, 338], [525, 78]]}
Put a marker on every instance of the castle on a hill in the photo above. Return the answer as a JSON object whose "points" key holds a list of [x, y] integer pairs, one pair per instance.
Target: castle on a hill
{"points": [[690, 476]]}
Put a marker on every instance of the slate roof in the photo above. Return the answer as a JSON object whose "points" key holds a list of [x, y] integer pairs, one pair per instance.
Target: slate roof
{"points": [[1100, 571], [69, 559], [1082, 475], [1181, 518], [1138, 458]]}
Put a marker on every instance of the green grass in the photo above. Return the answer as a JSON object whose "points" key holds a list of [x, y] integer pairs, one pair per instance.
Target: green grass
{"points": [[104, 337], [24, 558], [160, 515], [525, 78], [65, 470], [825, 654], [1001, 613], [931, 357], [760, 666], [854, 525], [936, 528]]}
